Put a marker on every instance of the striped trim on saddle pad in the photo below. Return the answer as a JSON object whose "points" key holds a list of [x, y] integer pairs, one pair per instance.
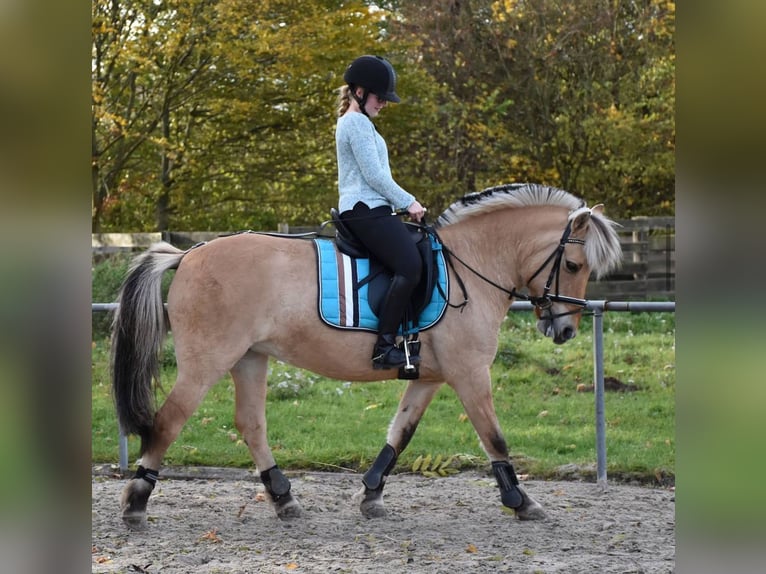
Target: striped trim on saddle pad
{"points": [[343, 303]]}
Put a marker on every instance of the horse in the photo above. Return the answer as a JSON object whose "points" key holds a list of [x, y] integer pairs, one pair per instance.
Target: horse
{"points": [[240, 299]]}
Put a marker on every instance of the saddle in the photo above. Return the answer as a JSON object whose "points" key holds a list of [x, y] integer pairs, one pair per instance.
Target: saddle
{"points": [[379, 276]]}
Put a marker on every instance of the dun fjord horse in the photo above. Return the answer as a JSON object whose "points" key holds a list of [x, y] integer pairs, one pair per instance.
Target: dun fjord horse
{"points": [[238, 300]]}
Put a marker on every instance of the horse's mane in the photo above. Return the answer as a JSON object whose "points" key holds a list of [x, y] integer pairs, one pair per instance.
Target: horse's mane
{"points": [[602, 244], [510, 195]]}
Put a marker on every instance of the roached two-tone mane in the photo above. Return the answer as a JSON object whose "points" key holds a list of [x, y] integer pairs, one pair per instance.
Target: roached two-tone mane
{"points": [[602, 244]]}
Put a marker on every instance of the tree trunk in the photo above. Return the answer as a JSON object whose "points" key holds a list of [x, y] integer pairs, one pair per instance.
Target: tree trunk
{"points": [[162, 209]]}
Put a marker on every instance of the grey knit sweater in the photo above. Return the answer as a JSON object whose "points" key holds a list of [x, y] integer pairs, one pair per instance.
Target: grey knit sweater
{"points": [[363, 170]]}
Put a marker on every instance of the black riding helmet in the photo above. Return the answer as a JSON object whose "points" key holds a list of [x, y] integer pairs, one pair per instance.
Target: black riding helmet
{"points": [[374, 74]]}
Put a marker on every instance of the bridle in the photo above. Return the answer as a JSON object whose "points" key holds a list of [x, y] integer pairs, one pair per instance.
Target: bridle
{"points": [[542, 302], [546, 300]]}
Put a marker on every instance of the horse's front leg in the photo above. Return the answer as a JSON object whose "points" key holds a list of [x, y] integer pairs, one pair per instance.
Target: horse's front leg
{"points": [[476, 395], [413, 404], [249, 375]]}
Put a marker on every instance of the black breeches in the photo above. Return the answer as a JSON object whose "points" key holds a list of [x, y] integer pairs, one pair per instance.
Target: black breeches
{"points": [[388, 240]]}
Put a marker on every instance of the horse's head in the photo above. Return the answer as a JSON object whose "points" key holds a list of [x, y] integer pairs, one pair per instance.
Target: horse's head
{"points": [[557, 256], [557, 289]]}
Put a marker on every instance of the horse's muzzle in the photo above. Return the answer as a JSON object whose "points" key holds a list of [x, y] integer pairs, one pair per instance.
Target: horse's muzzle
{"points": [[560, 333]]}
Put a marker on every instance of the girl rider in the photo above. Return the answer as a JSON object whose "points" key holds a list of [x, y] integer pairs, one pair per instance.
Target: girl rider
{"points": [[368, 195]]}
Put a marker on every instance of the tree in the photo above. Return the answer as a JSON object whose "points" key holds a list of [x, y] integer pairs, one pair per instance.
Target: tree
{"points": [[578, 94], [463, 112], [150, 67], [218, 114], [272, 144]]}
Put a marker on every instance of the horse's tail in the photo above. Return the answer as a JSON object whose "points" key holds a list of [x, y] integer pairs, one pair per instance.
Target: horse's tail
{"points": [[138, 333]]}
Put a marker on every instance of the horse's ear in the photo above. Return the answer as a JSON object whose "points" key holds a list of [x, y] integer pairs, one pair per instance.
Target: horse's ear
{"points": [[598, 209], [581, 220]]}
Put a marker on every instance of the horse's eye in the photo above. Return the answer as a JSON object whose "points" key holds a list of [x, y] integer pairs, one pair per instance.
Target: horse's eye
{"points": [[573, 267]]}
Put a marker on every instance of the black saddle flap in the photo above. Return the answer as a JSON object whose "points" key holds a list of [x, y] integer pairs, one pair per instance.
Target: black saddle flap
{"points": [[345, 239]]}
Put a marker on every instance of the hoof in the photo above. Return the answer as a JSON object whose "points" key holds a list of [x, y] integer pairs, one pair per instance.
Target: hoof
{"points": [[373, 509], [530, 509], [371, 503], [288, 508], [135, 521], [532, 514], [133, 501]]}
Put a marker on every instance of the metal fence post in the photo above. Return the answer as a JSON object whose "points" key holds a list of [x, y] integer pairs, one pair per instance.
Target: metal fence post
{"points": [[598, 385], [123, 444]]}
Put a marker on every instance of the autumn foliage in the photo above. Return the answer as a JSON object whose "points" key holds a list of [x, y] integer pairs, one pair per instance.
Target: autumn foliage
{"points": [[219, 114]]}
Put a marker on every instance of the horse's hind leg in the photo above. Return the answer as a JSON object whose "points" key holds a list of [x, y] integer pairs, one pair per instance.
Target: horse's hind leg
{"points": [[183, 400], [413, 404], [476, 396], [249, 376]]}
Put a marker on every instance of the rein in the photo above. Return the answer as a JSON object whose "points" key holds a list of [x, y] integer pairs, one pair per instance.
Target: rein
{"points": [[542, 302]]}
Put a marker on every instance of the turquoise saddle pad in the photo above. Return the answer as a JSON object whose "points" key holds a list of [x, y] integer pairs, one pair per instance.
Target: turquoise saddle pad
{"points": [[343, 304]]}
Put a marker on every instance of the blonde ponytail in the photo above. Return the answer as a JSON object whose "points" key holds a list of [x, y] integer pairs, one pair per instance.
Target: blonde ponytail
{"points": [[344, 99]]}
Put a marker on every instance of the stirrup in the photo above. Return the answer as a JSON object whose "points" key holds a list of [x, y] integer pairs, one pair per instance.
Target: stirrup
{"points": [[411, 360], [411, 369]]}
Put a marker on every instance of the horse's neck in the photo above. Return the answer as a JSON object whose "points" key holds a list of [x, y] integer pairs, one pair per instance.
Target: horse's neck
{"points": [[491, 250], [505, 246]]}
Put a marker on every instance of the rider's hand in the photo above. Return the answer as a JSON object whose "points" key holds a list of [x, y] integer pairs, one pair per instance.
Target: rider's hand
{"points": [[416, 211]]}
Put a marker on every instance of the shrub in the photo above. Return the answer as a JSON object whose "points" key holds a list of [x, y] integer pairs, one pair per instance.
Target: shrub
{"points": [[107, 276]]}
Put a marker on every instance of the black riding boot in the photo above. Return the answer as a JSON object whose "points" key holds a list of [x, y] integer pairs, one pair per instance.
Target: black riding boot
{"points": [[385, 354]]}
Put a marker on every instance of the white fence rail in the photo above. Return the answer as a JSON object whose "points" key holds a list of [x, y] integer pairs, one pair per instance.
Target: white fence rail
{"points": [[598, 308]]}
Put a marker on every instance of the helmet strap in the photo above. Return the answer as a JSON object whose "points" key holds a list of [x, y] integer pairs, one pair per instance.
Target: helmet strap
{"points": [[362, 101]]}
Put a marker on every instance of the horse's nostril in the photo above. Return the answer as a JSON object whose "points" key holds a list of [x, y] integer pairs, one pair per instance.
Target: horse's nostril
{"points": [[568, 333]]}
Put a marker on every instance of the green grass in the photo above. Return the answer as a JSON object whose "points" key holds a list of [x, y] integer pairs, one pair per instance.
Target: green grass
{"points": [[317, 423]]}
